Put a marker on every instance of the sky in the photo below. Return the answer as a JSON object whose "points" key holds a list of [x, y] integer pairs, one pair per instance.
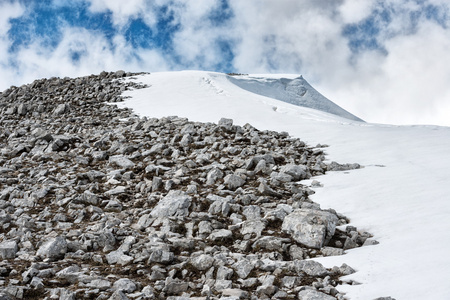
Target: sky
{"points": [[386, 61]]}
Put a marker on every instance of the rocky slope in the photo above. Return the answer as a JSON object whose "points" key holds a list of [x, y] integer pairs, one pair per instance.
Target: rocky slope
{"points": [[96, 203]]}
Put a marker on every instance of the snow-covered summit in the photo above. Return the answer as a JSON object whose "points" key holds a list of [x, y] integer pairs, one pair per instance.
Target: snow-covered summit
{"points": [[296, 91], [209, 96]]}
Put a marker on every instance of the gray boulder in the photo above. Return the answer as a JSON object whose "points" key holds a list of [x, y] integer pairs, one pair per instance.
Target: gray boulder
{"points": [[235, 294], [243, 268], [121, 161], [225, 123], [224, 273], [202, 262], [176, 203], [271, 243], [161, 256], [8, 249], [252, 212], [298, 172], [118, 295], [213, 176], [312, 228], [55, 248], [314, 295], [220, 206], [330, 251], [61, 109], [310, 267], [125, 285], [220, 235], [70, 274], [22, 109], [118, 257], [175, 286], [334, 166], [233, 181]]}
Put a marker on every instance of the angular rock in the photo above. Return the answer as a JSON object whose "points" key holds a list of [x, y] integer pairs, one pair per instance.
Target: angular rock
{"points": [[118, 257], [312, 228], [233, 181], [29, 274], [101, 284], [60, 109], [89, 198], [298, 172], [116, 191], [125, 285], [118, 295], [213, 176], [221, 284], [121, 161], [225, 123], [252, 212], [220, 206], [330, 251], [224, 273], [264, 189], [8, 249], [270, 243], [161, 256], [37, 283], [243, 268], [220, 235], [310, 267], [334, 166], [253, 227], [54, 248], [176, 203], [70, 274], [235, 293], [175, 286], [202, 262], [22, 109], [314, 295]]}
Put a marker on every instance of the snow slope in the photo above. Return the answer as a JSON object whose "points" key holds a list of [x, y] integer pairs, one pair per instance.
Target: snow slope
{"points": [[296, 91], [402, 195]]}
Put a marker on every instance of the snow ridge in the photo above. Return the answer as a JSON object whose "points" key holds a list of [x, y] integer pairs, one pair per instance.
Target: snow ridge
{"points": [[296, 91]]}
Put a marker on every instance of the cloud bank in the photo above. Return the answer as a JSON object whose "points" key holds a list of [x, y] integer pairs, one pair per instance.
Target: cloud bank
{"points": [[385, 61]]}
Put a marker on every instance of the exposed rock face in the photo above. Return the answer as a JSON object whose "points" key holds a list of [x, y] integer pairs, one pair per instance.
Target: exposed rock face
{"points": [[96, 203]]}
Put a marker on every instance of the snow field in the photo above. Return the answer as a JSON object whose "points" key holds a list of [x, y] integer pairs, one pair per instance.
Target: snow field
{"points": [[402, 195]]}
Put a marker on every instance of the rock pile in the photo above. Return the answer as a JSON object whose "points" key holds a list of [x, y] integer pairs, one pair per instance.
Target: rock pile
{"points": [[96, 203]]}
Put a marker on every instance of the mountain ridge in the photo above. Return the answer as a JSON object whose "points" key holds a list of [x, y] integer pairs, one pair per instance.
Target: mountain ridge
{"points": [[295, 91]]}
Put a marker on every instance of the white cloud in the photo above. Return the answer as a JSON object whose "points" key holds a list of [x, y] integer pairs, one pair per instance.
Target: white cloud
{"points": [[289, 36], [409, 85], [196, 42], [8, 11], [122, 11], [353, 11], [95, 55]]}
